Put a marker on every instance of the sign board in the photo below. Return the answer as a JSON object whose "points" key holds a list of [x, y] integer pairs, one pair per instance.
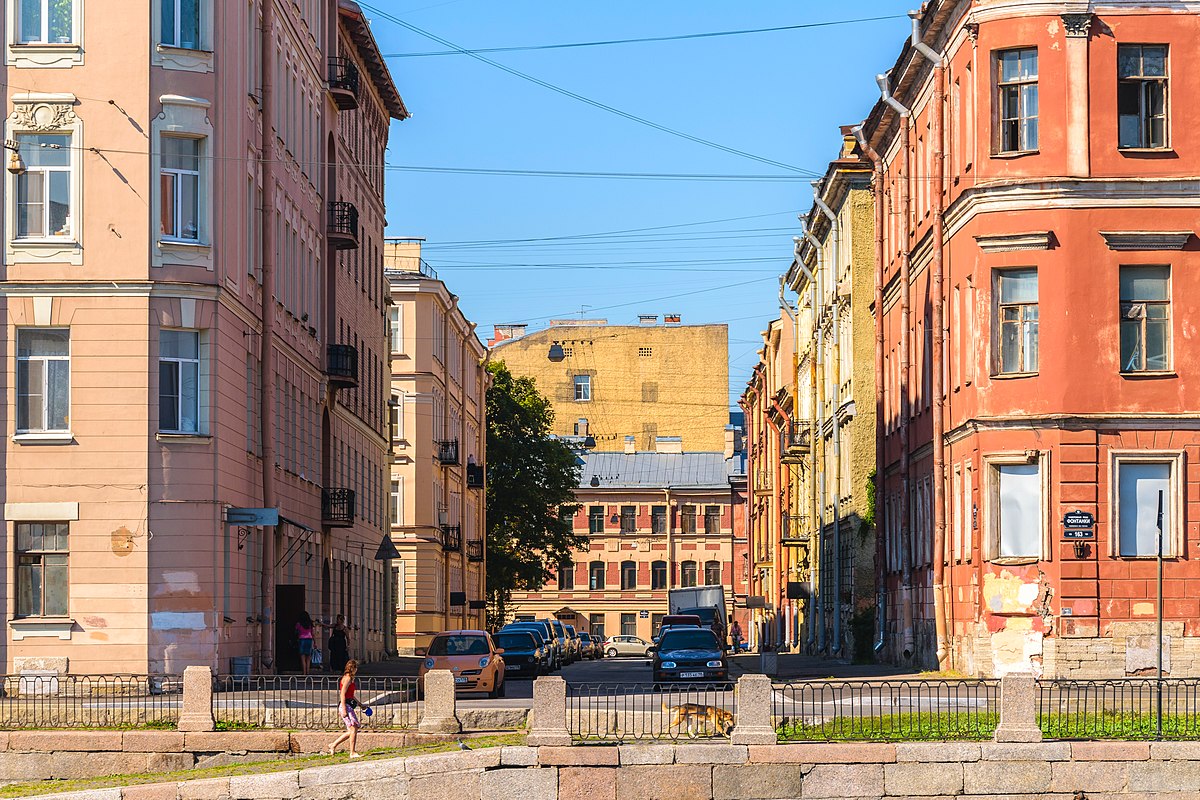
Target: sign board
{"points": [[643, 615], [1079, 534], [252, 516], [756, 601], [1078, 519]]}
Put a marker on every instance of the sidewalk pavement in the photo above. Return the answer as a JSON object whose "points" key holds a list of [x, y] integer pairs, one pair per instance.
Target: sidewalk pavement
{"points": [[798, 666], [393, 666]]}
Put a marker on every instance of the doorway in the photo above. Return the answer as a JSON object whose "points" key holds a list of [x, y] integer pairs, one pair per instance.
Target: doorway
{"points": [[289, 602]]}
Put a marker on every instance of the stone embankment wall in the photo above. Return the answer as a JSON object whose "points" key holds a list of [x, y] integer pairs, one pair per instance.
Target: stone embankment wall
{"points": [[810, 771]]}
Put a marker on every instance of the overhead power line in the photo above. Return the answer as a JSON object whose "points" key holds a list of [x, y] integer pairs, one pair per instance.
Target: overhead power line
{"points": [[646, 39], [589, 101]]}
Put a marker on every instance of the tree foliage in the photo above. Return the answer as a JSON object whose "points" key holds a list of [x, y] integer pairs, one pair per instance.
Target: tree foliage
{"points": [[531, 485]]}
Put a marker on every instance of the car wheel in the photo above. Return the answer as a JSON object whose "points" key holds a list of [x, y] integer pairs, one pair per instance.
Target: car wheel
{"points": [[498, 689], [648, 654], [611, 652]]}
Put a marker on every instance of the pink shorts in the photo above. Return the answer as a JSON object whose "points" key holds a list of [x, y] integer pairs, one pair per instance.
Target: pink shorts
{"points": [[351, 719]]}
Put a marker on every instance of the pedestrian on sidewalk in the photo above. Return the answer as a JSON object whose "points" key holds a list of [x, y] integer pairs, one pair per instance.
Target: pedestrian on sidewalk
{"points": [[339, 644], [347, 685], [735, 634], [304, 639]]}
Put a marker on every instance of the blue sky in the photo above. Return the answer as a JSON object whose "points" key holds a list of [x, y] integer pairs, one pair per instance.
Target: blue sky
{"points": [[779, 95]]}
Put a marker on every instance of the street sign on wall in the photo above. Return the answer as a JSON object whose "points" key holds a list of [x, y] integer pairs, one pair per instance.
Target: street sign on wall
{"points": [[252, 516], [1078, 519]]}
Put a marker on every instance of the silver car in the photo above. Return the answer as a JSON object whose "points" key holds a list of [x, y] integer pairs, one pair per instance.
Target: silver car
{"points": [[626, 646]]}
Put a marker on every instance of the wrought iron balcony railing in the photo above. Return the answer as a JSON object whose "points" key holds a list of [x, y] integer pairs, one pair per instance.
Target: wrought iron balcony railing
{"points": [[475, 550], [447, 451], [451, 538], [795, 529], [337, 507], [343, 83], [341, 365], [343, 225]]}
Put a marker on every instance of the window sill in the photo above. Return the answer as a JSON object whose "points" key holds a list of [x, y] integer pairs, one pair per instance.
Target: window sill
{"points": [[1012, 376], [1148, 152], [47, 627], [183, 58], [44, 437], [1149, 374], [1014, 561], [1016, 153], [1149, 557], [34, 55], [183, 244], [167, 437]]}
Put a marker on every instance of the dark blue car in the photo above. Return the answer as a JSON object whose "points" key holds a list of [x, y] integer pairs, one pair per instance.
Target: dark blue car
{"points": [[522, 653], [690, 654]]}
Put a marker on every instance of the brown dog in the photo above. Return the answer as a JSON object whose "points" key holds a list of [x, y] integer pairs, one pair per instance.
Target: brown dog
{"points": [[696, 716]]}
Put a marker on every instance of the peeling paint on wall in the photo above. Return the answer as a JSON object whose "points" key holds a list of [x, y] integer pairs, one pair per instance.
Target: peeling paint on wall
{"points": [[1017, 648], [180, 582], [122, 541], [1008, 594], [177, 620]]}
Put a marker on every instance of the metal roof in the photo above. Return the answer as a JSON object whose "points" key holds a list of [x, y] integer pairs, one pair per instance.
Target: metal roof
{"points": [[660, 470]]}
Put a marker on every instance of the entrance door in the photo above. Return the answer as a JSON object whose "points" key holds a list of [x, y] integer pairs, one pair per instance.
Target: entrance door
{"points": [[289, 602]]}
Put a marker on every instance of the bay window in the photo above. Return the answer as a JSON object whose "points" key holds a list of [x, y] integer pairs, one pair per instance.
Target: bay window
{"points": [[43, 190], [179, 381], [179, 183], [43, 379], [181, 24]]}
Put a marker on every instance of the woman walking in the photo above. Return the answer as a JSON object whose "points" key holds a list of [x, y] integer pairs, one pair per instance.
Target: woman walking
{"points": [[346, 709], [304, 639], [339, 644]]}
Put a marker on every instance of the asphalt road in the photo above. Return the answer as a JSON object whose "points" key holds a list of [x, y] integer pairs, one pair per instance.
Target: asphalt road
{"points": [[519, 693]]}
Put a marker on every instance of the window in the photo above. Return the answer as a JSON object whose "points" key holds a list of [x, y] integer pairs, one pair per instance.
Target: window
{"points": [[1144, 501], [43, 379], [395, 330], [596, 519], [687, 519], [44, 21], [1145, 319], [658, 519], [628, 575], [596, 625], [628, 519], [397, 504], [1142, 96], [656, 623], [1017, 315], [596, 575], [566, 577], [41, 569], [181, 24], [658, 575], [179, 381], [1017, 510], [396, 408], [44, 188], [583, 388], [712, 520], [1017, 71], [179, 183], [712, 573], [687, 573], [629, 624], [645, 352]]}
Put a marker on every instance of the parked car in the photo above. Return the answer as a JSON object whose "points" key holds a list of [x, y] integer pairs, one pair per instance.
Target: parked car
{"points": [[676, 621], [560, 630], [574, 643], [550, 657], [626, 646], [689, 654], [589, 647], [523, 656], [471, 656]]}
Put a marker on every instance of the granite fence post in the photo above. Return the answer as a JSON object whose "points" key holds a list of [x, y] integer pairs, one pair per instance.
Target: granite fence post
{"points": [[439, 713], [196, 713], [755, 697], [1018, 709], [548, 718]]}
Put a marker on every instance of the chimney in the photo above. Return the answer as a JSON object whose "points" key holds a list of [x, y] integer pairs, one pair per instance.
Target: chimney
{"points": [[630, 445], [671, 319], [581, 427], [668, 444], [502, 333], [731, 442], [647, 319]]}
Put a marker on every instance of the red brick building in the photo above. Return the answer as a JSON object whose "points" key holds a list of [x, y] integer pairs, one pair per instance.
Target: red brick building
{"points": [[1038, 170]]}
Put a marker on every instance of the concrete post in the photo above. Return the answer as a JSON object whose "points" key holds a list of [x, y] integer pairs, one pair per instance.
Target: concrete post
{"points": [[1018, 709], [754, 706], [196, 713], [548, 718], [439, 714]]}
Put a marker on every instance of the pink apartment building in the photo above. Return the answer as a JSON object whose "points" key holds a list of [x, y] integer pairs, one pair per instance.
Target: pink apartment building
{"points": [[195, 324]]}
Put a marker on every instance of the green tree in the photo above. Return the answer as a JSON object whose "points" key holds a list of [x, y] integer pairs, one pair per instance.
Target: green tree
{"points": [[531, 482]]}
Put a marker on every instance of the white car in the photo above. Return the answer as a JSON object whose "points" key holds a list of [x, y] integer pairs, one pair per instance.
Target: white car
{"points": [[626, 646]]}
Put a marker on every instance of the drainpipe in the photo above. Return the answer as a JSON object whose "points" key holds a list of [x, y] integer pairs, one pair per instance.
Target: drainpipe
{"points": [[835, 231], [812, 289], [819, 433], [785, 555], [880, 548], [937, 379], [812, 448], [905, 359]]}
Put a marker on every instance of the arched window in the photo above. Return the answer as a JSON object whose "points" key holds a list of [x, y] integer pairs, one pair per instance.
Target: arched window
{"points": [[687, 573], [566, 577], [628, 575], [658, 575], [596, 575], [712, 573]]}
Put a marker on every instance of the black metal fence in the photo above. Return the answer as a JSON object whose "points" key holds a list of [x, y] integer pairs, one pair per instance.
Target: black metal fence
{"points": [[90, 701], [887, 710], [310, 702], [1125, 708], [624, 712]]}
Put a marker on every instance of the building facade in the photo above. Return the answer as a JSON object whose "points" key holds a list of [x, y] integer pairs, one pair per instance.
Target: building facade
{"points": [[195, 325], [439, 435], [1038, 172], [646, 381]]}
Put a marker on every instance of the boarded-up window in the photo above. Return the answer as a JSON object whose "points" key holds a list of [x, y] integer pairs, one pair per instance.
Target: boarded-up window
{"points": [[1019, 508], [1141, 486]]}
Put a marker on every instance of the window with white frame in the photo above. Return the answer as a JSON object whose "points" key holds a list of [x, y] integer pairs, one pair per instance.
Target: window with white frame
{"points": [[1142, 96], [44, 189], [1146, 502], [1145, 318], [1017, 100], [583, 388], [43, 379], [179, 183], [397, 409], [1017, 517], [398, 586], [181, 24], [42, 576], [396, 332], [179, 381], [45, 21], [397, 504], [1017, 320]]}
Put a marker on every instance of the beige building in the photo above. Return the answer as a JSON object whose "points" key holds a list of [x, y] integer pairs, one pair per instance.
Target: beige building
{"points": [[438, 395], [195, 322], [647, 381]]}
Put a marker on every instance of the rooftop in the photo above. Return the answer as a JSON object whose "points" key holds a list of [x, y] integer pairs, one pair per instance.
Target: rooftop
{"points": [[651, 470]]}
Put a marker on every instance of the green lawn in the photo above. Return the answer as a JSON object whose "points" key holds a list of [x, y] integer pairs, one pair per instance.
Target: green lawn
{"points": [[924, 727]]}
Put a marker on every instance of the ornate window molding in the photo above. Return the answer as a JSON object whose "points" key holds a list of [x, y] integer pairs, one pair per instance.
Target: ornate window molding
{"points": [[45, 113], [1146, 240], [44, 55], [183, 58], [1013, 242], [187, 117]]}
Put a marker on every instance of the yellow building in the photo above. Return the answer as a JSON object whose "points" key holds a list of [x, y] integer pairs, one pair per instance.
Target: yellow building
{"points": [[438, 396], [647, 381]]}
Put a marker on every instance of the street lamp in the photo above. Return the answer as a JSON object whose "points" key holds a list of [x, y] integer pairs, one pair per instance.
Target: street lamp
{"points": [[556, 353]]}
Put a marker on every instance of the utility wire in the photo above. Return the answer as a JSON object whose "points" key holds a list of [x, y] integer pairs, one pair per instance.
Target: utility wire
{"points": [[607, 42], [581, 98]]}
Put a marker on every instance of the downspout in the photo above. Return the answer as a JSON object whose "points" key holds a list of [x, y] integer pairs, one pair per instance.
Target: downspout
{"points": [[819, 435], [880, 526], [810, 615], [785, 555], [775, 525], [835, 231], [937, 379], [800, 265], [905, 358], [265, 367]]}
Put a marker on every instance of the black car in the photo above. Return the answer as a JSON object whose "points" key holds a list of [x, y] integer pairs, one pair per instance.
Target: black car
{"points": [[689, 654], [522, 653], [550, 655]]}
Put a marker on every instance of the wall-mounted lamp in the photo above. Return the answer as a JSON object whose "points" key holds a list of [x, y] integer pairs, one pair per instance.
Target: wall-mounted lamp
{"points": [[1081, 549], [16, 165], [556, 353]]}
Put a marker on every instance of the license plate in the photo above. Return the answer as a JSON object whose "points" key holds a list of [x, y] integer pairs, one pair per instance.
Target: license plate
{"points": [[691, 674], [460, 680], [513, 667]]}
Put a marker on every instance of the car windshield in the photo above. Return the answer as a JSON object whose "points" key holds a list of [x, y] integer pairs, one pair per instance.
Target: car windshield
{"points": [[688, 639], [515, 640], [535, 630], [459, 646], [587, 637]]}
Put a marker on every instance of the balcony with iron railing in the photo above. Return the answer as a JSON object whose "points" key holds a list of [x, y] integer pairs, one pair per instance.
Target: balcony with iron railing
{"points": [[447, 452], [451, 538], [341, 366], [794, 529], [475, 550], [475, 476], [797, 441], [762, 482], [343, 83], [337, 507], [342, 230]]}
